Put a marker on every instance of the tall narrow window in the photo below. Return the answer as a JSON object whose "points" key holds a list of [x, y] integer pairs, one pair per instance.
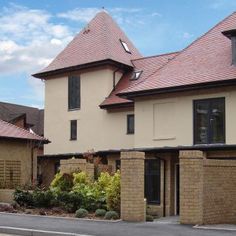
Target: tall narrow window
{"points": [[209, 121], [130, 124], [74, 92], [153, 180], [73, 129]]}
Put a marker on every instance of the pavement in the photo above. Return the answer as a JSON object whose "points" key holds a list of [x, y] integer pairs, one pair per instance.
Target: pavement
{"points": [[50, 226]]}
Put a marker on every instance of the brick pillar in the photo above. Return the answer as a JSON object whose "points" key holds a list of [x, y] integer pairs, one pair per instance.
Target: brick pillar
{"points": [[133, 207], [191, 187]]}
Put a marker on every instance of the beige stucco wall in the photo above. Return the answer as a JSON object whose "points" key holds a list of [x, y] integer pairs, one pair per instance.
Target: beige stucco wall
{"points": [[97, 128], [168, 121], [20, 151]]}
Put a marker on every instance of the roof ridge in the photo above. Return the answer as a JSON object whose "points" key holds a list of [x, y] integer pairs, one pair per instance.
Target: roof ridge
{"points": [[158, 55], [20, 105], [21, 129]]}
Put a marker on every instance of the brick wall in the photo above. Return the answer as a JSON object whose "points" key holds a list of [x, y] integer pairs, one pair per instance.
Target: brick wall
{"points": [[133, 207], [73, 165], [207, 189], [219, 199]]}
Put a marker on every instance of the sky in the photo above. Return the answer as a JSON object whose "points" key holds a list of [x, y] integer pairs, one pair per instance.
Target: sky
{"points": [[33, 32]]}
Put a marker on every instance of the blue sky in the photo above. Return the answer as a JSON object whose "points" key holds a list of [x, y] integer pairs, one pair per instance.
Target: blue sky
{"points": [[33, 32]]}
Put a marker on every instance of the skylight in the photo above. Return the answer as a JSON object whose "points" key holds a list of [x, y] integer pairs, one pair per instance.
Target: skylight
{"points": [[125, 46], [136, 75]]}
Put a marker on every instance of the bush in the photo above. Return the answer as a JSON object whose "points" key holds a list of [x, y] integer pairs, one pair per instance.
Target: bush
{"points": [[100, 212], [23, 197], [43, 198], [70, 201], [81, 213], [113, 193], [111, 215], [80, 178], [149, 218], [104, 180], [91, 197], [62, 182]]}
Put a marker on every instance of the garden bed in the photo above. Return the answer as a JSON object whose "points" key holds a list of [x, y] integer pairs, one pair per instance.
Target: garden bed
{"points": [[71, 195]]}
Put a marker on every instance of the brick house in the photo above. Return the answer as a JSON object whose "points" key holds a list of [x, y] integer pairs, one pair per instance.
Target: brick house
{"points": [[176, 108], [18, 157]]}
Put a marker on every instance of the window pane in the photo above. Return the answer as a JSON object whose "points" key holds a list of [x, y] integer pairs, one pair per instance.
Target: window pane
{"points": [[217, 121], [209, 121], [74, 92], [130, 124], [73, 129], [201, 122]]}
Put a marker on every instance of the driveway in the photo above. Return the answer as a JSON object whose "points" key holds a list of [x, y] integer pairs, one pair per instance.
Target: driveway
{"points": [[84, 227]]}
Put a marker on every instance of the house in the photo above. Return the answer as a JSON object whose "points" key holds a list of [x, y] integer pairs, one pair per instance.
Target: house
{"points": [[18, 157], [178, 108], [29, 118]]}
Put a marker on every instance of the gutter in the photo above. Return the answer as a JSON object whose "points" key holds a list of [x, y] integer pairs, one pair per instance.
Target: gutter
{"points": [[182, 88]]}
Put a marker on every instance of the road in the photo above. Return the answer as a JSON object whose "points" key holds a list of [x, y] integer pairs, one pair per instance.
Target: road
{"points": [[104, 228]]}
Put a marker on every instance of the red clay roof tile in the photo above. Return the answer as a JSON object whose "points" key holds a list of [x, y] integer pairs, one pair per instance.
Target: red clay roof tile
{"points": [[148, 66], [206, 60], [8, 130], [99, 41]]}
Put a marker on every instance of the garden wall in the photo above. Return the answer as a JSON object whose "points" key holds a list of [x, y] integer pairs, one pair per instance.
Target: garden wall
{"points": [[6, 195], [207, 189]]}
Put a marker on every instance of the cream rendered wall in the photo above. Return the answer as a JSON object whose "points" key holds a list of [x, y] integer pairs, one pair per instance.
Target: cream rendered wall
{"points": [[152, 129], [97, 129]]}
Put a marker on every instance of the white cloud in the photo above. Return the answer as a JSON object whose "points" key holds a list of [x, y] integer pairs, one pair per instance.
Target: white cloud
{"points": [[220, 4], [80, 14], [29, 40], [187, 35]]}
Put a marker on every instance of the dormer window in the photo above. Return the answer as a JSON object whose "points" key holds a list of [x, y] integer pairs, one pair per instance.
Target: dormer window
{"points": [[125, 46], [136, 75], [231, 34]]}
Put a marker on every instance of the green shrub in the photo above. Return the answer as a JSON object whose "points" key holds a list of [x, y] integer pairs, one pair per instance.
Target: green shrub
{"points": [[81, 213], [104, 180], [70, 201], [80, 178], [149, 218], [62, 182], [92, 197], [23, 197], [100, 212], [111, 215], [113, 193], [43, 198]]}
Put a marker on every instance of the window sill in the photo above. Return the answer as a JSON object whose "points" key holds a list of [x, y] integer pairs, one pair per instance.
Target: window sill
{"points": [[154, 203], [74, 109], [73, 139], [130, 133]]}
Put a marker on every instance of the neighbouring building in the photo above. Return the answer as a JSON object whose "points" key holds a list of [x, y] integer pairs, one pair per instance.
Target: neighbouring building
{"points": [[18, 156], [178, 109], [29, 118]]}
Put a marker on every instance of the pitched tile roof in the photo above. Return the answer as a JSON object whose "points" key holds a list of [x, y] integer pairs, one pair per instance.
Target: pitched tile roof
{"points": [[206, 60], [148, 66], [34, 116], [98, 41], [8, 130]]}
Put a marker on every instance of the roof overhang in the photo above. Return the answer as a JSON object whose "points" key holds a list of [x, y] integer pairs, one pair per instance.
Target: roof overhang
{"points": [[229, 33], [128, 104], [202, 147], [183, 88], [43, 75], [43, 141]]}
